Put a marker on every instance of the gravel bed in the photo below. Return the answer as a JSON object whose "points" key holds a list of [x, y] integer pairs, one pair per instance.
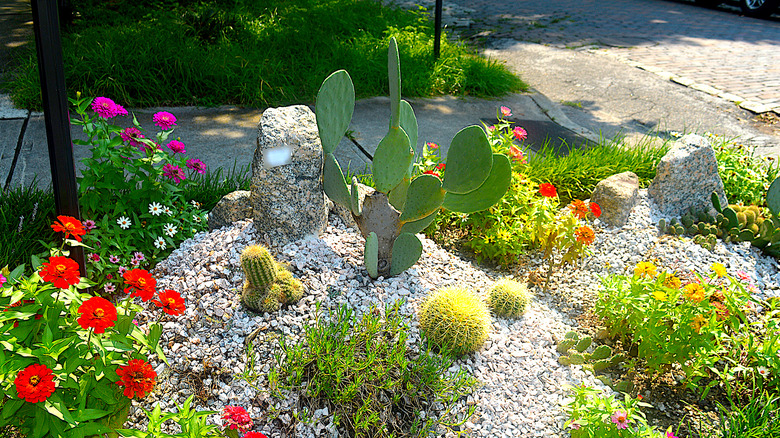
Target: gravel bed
{"points": [[522, 384]]}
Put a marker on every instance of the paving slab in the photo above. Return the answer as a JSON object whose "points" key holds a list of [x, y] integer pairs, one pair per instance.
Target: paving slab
{"points": [[9, 137]]}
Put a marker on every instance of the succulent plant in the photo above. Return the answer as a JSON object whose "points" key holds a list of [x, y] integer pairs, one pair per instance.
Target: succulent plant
{"points": [[259, 266], [509, 298], [259, 299], [573, 352], [455, 319], [287, 288], [400, 206]]}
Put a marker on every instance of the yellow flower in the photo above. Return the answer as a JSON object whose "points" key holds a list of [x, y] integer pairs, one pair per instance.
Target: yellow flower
{"points": [[719, 269], [645, 269], [698, 323], [671, 282], [694, 292], [660, 295]]}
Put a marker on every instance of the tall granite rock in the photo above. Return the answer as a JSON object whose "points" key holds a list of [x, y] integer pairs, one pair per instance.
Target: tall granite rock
{"points": [[287, 197]]}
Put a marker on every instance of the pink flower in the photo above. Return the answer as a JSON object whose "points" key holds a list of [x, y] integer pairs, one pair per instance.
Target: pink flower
{"points": [[176, 147], [432, 145], [131, 136], [94, 257], [196, 165], [109, 288], [254, 435], [122, 270], [742, 275], [669, 434], [620, 418], [575, 426], [506, 112], [517, 154], [164, 120], [174, 172], [113, 259], [89, 225], [2, 280], [120, 110], [520, 133], [236, 418], [491, 128], [106, 108]]}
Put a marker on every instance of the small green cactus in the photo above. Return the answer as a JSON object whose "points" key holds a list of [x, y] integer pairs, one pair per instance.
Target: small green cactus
{"points": [[573, 352], [455, 319], [259, 299], [287, 288], [509, 298], [259, 266]]}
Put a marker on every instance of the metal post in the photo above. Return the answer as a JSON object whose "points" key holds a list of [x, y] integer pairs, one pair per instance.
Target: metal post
{"points": [[437, 30], [55, 109]]}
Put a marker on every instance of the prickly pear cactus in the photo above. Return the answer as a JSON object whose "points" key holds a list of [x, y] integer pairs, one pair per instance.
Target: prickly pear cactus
{"points": [[456, 319], [402, 205], [509, 298], [259, 266], [573, 350]]}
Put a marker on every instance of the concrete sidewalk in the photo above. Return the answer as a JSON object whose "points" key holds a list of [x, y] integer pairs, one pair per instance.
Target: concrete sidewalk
{"points": [[227, 136]]}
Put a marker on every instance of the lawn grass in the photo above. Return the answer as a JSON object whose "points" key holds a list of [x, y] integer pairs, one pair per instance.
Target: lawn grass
{"points": [[253, 53]]}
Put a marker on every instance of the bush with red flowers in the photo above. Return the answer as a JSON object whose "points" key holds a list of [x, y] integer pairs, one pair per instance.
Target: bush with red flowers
{"points": [[73, 361]]}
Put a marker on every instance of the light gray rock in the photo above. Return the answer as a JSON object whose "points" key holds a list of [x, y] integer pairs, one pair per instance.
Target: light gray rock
{"points": [[234, 206], [686, 177], [617, 196], [287, 198]]}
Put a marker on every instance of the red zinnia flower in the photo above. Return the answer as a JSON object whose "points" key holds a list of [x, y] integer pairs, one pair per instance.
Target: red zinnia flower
{"points": [[61, 272], [171, 302], [140, 283], [35, 383], [254, 435], [595, 209], [137, 377], [70, 226], [585, 235], [432, 145], [441, 166], [431, 172], [579, 209], [98, 314], [236, 418], [548, 190]]}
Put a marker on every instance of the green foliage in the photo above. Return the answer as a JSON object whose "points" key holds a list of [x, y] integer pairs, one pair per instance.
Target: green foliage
{"points": [[26, 214], [192, 423], [455, 319], [207, 189], [254, 52], [670, 324], [746, 177], [573, 352], [593, 415], [509, 298], [362, 370]]}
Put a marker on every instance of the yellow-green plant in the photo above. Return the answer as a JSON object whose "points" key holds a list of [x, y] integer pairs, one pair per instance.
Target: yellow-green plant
{"points": [[456, 319], [509, 298]]}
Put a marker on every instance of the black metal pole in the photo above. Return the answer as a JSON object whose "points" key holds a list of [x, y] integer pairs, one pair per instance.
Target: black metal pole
{"points": [[55, 109], [437, 30]]}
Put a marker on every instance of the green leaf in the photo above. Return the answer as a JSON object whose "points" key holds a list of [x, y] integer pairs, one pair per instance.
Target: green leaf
{"points": [[490, 192], [90, 414], [423, 197], [333, 181], [409, 124], [10, 406], [392, 160], [371, 255], [469, 160], [334, 108], [418, 226], [406, 251]]}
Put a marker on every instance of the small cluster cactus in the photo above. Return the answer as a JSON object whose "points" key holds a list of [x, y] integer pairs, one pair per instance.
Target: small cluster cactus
{"points": [[509, 298], [455, 319], [268, 284], [734, 223], [401, 205], [572, 349]]}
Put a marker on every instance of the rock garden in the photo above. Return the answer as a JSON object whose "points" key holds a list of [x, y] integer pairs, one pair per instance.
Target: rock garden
{"points": [[486, 291]]}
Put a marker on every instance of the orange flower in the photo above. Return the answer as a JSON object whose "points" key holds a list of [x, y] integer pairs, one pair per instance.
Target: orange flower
{"points": [[595, 209], [98, 314], [698, 322], [70, 226], [585, 235], [35, 383], [671, 282], [61, 272], [171, 302], [140, 283], [694, 292], [137, 377], [579, 209], [548, 190]]}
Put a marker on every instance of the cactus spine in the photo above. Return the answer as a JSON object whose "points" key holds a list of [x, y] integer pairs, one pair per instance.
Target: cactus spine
{"points": [[509, 298], [403, 205], [455, 319]]}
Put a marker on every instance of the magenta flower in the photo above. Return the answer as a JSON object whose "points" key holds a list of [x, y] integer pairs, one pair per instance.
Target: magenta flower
{"points": [[113, 259], [89, 225], [491, 128], [620, 418], [94, 257], [196, 165], [506, 112], [176, 147], [520, 133], [106, 108], [432, 145], [670, 435], [174, 172], [131, 136], [2, 280], [164, 120], [120, 110]]}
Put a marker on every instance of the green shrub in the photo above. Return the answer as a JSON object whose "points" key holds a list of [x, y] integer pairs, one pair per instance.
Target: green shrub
{"points": [[746, 177], [26, 215], [361, 369]]}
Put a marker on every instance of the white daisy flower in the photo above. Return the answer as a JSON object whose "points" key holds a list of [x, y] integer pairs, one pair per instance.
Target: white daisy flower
{"points": [[155, 209], [196, 218], [167, 210], [124, 222], [160, 243], [170, 229], [195, 203], [764, 371]]}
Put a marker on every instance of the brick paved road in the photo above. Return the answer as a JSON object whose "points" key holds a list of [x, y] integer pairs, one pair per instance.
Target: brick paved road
{"points": [[737, 56]]}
